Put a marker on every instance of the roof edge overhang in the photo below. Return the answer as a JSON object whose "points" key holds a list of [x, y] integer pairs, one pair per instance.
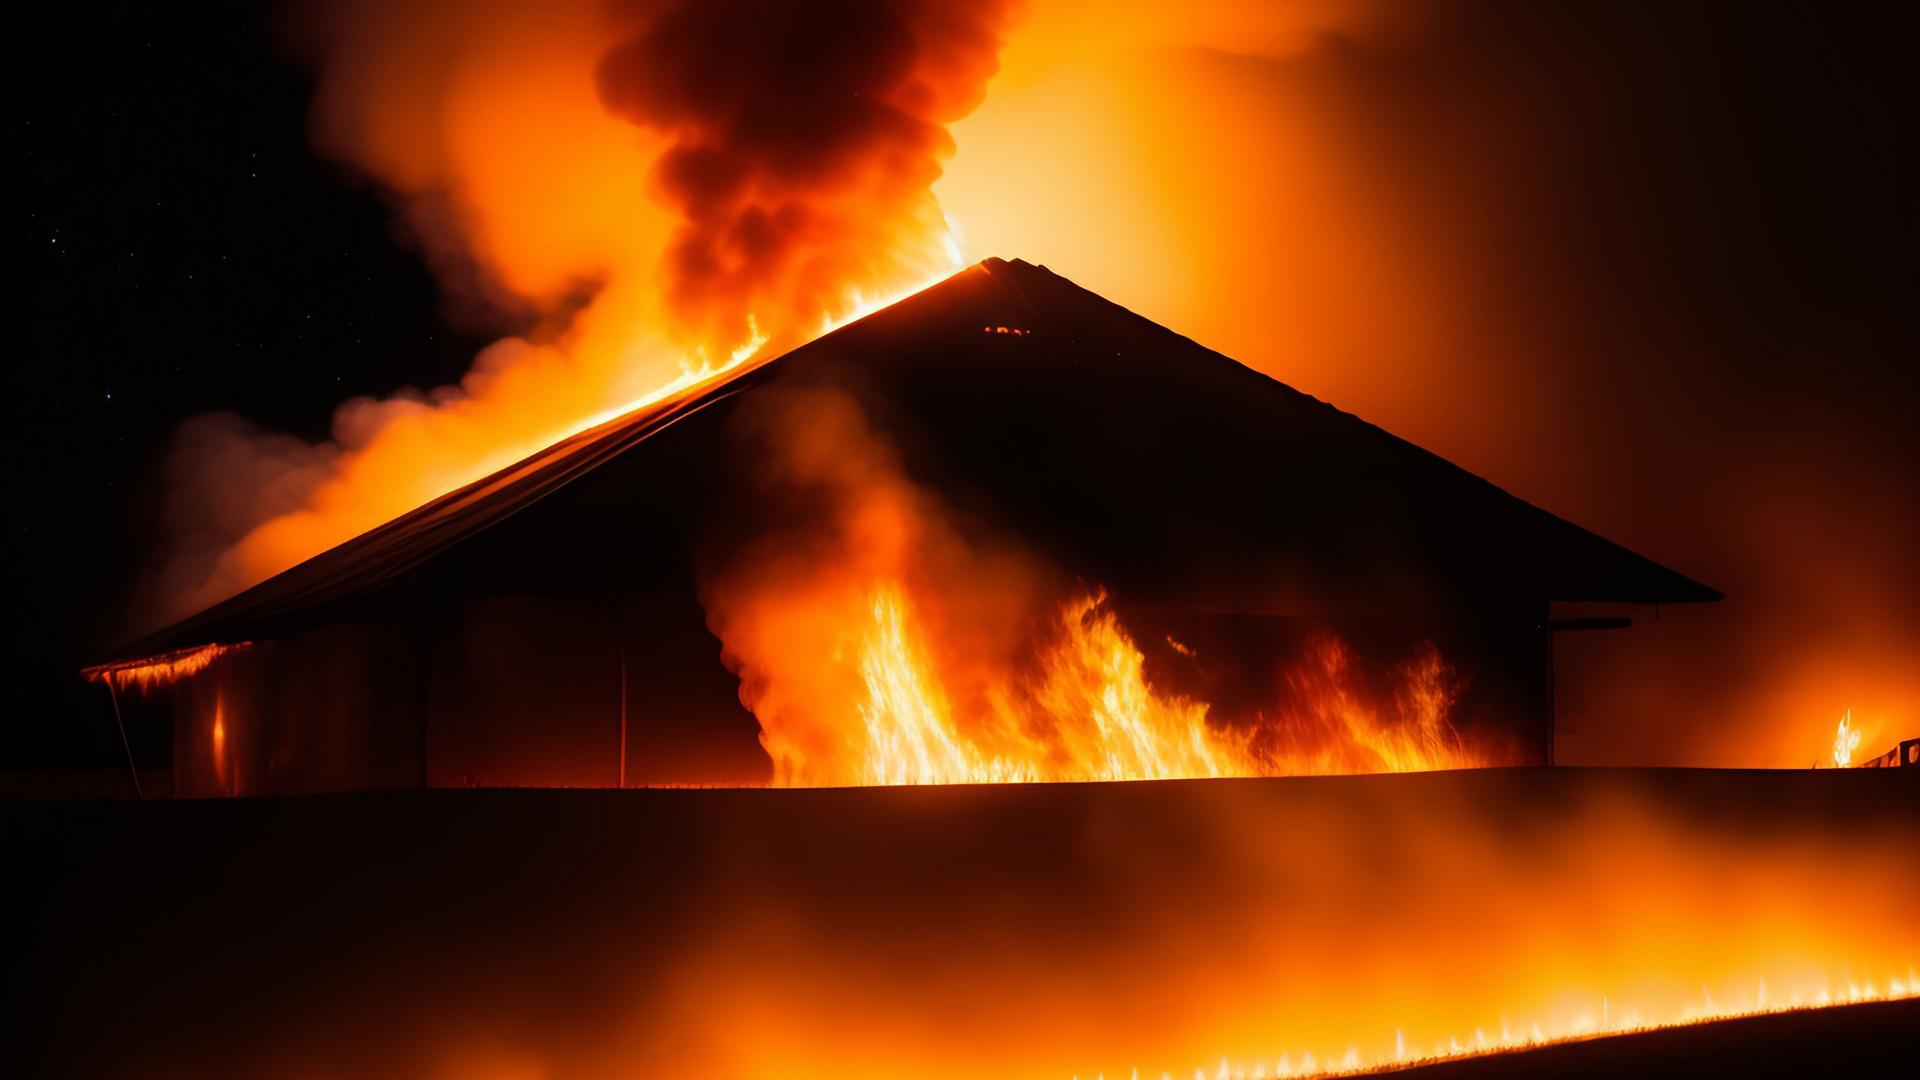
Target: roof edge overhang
{"points": [[227, 624]]}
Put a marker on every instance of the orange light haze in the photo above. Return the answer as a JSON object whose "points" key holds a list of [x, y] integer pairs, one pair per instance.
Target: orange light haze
{"points": [[1243, 172]]}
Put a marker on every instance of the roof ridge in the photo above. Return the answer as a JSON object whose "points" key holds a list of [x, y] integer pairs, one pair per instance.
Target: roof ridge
{"points": [[394, 551]]}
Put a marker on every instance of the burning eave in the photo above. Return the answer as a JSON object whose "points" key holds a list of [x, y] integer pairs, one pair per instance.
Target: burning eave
{"points": [[163, 669]]}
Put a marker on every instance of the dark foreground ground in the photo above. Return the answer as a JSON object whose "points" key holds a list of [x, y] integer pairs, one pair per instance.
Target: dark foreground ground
{"points": [[1041, 931], [1875, 1039]]}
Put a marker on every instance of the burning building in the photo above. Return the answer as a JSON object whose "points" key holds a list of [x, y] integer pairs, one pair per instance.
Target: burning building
{"points": [[1003, 529]]}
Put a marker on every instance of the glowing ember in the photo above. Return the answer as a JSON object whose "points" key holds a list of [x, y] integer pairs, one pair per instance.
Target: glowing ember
{"points": [[1845, 741], [163, 670]]}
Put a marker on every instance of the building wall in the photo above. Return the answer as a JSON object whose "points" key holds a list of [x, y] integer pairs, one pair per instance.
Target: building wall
{"points": [[587, 692], [569, 692], [330, 709], [487, 692]]}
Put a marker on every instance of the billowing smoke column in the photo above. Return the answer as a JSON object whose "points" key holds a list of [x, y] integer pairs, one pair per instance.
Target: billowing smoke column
{"points": [[803, 136], [659, 190]]}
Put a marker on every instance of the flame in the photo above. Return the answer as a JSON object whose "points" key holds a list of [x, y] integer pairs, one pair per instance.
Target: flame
{"points": [[910, 733], [162, 670], [1297, 929], [1845, 741], [1088, 713], [1336, 730], [573, 165], [1594, 1020], [1092, 716], [1237, 171], [880, 641], [1113, 146], [860, 303], [1107, 723]]}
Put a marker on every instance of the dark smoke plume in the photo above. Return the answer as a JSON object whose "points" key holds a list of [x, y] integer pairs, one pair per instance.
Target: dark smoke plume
{"points": [[661, 184], [804, 138]]}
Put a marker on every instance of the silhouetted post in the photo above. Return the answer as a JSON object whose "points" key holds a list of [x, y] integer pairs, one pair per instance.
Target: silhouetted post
{"points": [[132, 769]]}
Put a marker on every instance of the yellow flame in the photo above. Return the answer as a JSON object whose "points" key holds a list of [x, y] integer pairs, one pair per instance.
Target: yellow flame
{"points": [[1845, 741], [1087, 712], [1110, 724], [910, 733], [860, 303]]}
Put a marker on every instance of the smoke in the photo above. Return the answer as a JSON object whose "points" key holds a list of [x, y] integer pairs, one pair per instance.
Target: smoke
{"points": [[1650, 270], [655, 190], [825, 522], [883, 636], [801, 137], [213, 455]]}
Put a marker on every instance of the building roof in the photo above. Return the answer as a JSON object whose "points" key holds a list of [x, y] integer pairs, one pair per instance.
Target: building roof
{"points": [[1131, 455]]}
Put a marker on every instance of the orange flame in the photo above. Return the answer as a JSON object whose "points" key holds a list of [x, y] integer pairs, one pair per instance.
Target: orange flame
{"points": [[1088, 713], [162, 670], [1271, 930], [878, 643], [570, 161], [1846, 739]]}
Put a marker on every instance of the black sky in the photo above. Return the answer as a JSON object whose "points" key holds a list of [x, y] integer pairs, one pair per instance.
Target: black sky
{"points": [[185, 251]]}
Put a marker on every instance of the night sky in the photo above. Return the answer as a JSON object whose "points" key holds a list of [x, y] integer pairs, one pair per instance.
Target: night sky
{"points": [[186, 251]]}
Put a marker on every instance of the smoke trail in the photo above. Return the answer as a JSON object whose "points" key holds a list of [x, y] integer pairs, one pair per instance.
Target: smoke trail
{"points": [[661, 187], [803, 138]]}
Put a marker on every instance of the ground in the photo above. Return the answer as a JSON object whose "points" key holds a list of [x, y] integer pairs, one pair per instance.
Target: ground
{"points": [[1028, 930]]}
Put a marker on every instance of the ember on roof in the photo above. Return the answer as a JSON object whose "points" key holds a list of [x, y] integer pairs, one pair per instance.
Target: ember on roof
{"points": [[543, 626]]}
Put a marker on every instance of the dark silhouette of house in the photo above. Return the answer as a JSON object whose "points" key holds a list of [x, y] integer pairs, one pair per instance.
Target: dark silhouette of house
{"points": [[541, 626]]}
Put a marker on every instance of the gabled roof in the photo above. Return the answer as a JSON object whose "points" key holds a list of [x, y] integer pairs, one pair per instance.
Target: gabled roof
{"points": [[1134, 456]]}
